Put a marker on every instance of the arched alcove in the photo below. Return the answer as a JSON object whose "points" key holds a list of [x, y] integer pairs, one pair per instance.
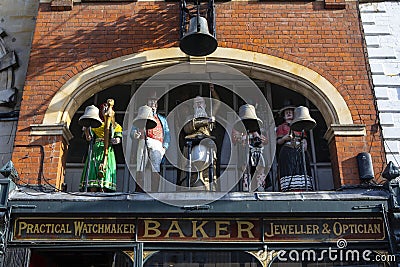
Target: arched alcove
{"points": [[300, 79], [260, 66]]}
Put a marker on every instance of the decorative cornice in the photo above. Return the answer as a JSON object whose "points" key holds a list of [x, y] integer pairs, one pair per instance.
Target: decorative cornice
{"points": [[52, 129], [345, 130]]}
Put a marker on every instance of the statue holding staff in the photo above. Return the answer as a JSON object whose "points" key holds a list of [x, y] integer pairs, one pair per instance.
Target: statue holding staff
{"points": [[100, 172]]}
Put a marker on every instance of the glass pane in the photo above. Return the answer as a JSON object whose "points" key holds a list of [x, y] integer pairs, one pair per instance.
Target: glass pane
{"points": [[320, 143], [202, 259], [78, 145], [318, 147], [121, 95], [84, 258]]}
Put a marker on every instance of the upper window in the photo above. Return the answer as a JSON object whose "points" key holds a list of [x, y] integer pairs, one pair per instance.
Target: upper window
{"points": [[316, 147]]}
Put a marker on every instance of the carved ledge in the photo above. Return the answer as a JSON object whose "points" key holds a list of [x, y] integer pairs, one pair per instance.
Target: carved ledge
{"points": [[345, 130], [335, 4], [62, 5], [52, 129], [197, 60]]}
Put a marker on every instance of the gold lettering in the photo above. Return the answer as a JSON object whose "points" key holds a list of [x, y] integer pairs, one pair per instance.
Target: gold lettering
{"points": [[50, 228], [89, 228], [67, 230], [21, 226], [57, 228], [196, 228], [245, 226], [29, 229], [272, 231], [222, 226], [78, 227], [95, 228], [42, 228], [36, 229], [277, 229], [377, 228], [361, 228], [174, 228], [132, 228], [299, 231], [337, 228], [315, 229], [151, 226]]}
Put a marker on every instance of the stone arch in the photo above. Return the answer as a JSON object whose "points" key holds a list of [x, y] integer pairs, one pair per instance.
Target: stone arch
{"points": [[294, 76]]}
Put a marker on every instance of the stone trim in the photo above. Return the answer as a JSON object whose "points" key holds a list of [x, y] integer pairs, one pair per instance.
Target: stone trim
{"points": [[62, 5], [335, 4], [257, 65], [52, 129], [345, 130]]}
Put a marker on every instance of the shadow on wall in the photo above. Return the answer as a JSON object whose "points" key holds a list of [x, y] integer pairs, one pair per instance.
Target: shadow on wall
{"points": [[92, 33]]}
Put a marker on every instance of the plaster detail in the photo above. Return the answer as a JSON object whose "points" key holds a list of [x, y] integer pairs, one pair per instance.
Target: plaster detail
{"points": [[55, 129]]}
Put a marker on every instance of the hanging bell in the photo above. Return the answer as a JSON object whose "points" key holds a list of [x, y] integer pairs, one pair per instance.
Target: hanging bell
{"points": [[248, 116], [144, 118], [198, 41], [91, 117], [302, 120]]}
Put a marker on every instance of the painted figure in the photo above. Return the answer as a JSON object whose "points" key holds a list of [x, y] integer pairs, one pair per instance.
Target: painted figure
{"points": [[202, 148], [291, 162], [250, 145], [153, 143], [100, 172]]}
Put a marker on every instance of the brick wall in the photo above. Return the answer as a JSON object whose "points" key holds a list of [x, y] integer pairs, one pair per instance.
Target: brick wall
{"points": [[328, 41]]}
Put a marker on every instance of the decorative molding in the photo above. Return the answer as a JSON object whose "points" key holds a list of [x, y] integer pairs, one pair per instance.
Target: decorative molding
{"points": [[335, 4], [256, 65], [264, 256], [148, 254], [52, 129], [62, 5], [345, 130]]}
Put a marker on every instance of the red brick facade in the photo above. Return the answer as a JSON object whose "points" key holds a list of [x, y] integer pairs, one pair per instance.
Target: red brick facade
{"points": [[324, 37]]}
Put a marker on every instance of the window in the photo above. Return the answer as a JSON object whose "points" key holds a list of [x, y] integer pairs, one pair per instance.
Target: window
{"points": [[201, 259], [274, 94]]}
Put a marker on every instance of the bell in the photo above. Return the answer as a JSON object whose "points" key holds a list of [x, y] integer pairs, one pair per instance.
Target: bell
{"points": [[198, 41], [391, 171], [248, 116], [144, 118], [91, 117], [302, 120]]}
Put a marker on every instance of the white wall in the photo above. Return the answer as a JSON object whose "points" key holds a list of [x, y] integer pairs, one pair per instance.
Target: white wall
{"points": [[17, 19], [381, 23]]}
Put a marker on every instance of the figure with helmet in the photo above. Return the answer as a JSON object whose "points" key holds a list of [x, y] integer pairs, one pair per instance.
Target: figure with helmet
{"points": [[101, 130], [246, 134], [152, 131], [294, 163], [200, 148]]}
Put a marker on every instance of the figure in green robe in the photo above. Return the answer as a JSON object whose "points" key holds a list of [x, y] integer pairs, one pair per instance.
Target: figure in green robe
{"points": [[101, 179]]}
